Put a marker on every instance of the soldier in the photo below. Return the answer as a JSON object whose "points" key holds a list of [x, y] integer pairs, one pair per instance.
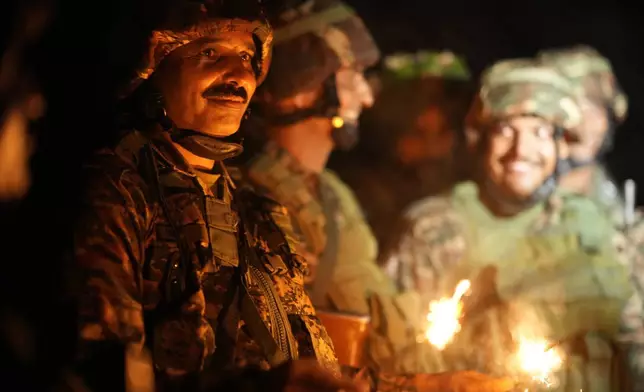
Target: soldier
{"points": [[308, 106], [528, 248], [604, 107], [415, 134], [20, 98], [173, 259]]}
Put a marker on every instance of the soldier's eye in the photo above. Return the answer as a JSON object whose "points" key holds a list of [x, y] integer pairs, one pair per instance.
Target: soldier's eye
{"points": [[209, 52], [246, 57], [505, 130], [544, 132]]}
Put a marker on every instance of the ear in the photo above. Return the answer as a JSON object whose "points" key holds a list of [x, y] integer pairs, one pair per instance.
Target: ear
{"points": [[563, 148], [472, 139]]}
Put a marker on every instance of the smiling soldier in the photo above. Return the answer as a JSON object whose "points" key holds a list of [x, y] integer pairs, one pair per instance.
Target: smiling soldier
{"points": [[527, 247], [177, 261]]}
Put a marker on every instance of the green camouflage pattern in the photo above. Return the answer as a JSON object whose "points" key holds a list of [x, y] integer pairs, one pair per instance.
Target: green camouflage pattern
{"points": [[126, 249], [358, 285], [591, 74], [525, 87], [560, 266], [605, 192], [445, 64]]}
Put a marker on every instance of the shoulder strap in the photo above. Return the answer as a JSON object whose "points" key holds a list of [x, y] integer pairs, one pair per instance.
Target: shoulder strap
{"points": [[176, 274], [278, 345]]}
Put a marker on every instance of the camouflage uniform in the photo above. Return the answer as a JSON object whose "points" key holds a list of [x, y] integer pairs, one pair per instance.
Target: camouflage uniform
{"points": [[201, 273], [324, 210], [594, 81], [557, 270]]}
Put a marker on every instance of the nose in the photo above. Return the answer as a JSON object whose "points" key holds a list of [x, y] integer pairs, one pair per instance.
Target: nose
{"points": [[238, 73], [365, 92], [522, 144]]}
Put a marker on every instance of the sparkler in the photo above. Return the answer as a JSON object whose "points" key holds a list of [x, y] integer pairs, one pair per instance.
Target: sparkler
{"points": [[444, 317], [538, 359]]}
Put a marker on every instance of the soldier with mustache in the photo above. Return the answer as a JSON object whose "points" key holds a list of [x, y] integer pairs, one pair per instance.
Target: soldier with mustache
{"points": [[196, 278], [542, 261]]}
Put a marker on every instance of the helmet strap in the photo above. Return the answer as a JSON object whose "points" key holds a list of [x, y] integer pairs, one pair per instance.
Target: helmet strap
{"points": [[345, 135]]}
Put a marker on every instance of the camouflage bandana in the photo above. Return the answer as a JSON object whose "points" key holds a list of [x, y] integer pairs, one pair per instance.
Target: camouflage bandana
{"points": [[592, 76], [191, 20], [525, 87], [445, 65]]}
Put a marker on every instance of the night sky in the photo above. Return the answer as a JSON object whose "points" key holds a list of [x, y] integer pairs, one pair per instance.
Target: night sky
{"points": [[485, 31]]}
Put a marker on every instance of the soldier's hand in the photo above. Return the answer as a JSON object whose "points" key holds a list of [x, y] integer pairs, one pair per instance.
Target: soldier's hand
{"points": [[309, 376], [466, 381]]}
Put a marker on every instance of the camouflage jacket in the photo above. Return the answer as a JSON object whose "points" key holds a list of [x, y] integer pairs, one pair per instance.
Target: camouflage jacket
{"points": [[159, 248], [606, 194], [560, 264], [357, 284]]}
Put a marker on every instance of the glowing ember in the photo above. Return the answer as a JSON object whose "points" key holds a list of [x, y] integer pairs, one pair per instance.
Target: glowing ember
{"points": [[537, 360], [444, 316]]}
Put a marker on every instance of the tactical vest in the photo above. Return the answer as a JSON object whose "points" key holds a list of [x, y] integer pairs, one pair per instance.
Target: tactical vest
{"points": [[349, 288], [226, 267], [543, 274]]}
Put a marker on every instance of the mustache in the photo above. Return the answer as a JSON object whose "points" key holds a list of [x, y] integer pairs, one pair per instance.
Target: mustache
{"points": [[226, 91]]}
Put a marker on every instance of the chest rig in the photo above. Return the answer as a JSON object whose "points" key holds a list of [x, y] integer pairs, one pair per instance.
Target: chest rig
{"points": [[275, 171], [316, 216], [554, 276], [221, 259]]}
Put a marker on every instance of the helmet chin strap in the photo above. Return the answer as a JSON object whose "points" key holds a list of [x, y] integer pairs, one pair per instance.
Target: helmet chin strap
{"points": [[151, 110], [345, 133], [205, 146]]}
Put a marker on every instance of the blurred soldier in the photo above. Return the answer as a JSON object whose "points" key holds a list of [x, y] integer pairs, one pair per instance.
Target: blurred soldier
{"points": [[542, 263], [20, 98], [415, 136], [173, 258], [309, 106], [604, 107]]}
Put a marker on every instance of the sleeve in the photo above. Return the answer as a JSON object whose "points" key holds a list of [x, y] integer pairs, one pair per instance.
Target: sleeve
{"points": [[631, 334], [109, 248], [426, 244]]}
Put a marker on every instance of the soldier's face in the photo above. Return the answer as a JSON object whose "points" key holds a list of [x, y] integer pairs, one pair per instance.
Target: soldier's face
{"points": [[207, 84], [354, 94], [431, 138], [521, 155], [584, 144]]}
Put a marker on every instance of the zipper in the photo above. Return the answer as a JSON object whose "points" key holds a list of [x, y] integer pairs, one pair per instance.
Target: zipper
{"points": [[275, 315]]}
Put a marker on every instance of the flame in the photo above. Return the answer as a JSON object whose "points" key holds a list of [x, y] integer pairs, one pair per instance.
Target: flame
{"points": [[538, 360], [444, 316]]}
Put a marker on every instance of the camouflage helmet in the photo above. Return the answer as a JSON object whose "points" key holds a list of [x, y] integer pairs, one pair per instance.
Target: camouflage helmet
{"points": [[188, 20], [313, 40], [524, 87], [592, 76], [425, 63]]}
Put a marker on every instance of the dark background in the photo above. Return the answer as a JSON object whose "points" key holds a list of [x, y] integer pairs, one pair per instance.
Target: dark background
{"points": [[486, 31]]}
